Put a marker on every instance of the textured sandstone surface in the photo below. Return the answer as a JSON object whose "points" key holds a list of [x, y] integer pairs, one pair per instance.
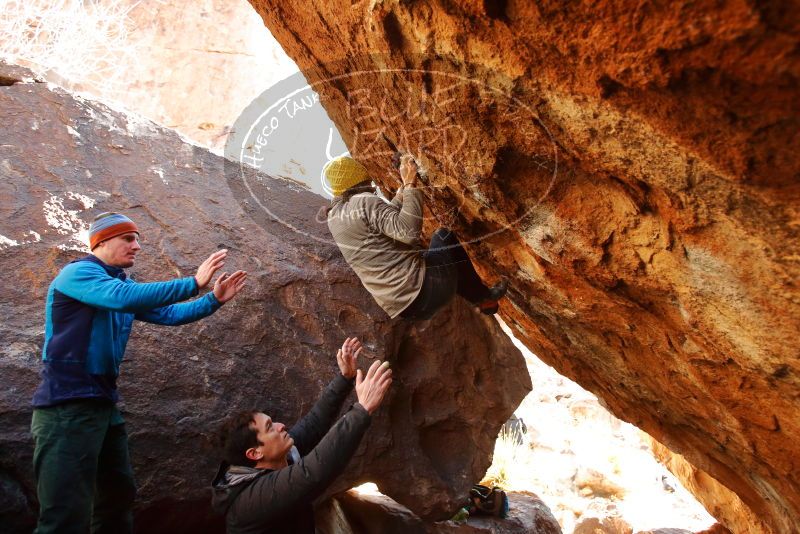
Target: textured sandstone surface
{"points": [[527, 513], [64, 159], [354, 513], [569, 435], [721, 502], [632, 168]]}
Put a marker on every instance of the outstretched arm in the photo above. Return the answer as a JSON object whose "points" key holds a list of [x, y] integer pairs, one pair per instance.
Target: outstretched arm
{"points": [[402, 224], [183, 313], [225, 288], [272, 495], [311, 428], [397, 201], [401, 219], [276, 493], [89, 283]]}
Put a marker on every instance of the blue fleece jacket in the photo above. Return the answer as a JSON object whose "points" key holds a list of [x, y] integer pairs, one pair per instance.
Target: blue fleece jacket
{"points": [[90, 309]]}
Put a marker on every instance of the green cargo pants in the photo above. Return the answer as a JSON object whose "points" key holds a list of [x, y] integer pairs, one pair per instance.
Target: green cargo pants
{"points": [[83, 471]]}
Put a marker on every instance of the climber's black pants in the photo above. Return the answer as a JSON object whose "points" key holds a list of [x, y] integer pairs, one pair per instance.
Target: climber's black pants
{"points": [[448, 271]]}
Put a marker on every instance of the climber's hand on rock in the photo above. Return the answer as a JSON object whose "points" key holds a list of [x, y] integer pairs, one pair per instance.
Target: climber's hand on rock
{"points": [[408, 170], [370, 389], [347, 357], [207, 269]]}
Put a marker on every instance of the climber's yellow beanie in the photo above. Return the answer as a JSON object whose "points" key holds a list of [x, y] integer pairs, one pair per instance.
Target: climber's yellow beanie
{"points": [[344, 172]]}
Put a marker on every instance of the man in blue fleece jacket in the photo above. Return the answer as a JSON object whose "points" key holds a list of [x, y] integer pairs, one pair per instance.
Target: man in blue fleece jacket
{"points": [[81, 461]]}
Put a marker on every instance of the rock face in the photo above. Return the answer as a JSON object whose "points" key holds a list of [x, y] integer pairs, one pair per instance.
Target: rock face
{"points": [[527, 514], [584, 462], [721, 502], [353, 513], [632, 169], [64, 159], [605, 525], [189, 65]]}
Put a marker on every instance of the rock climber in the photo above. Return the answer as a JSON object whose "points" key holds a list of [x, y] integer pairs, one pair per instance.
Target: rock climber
{"points": [[379, 240], [84, 479], [270, 476]]}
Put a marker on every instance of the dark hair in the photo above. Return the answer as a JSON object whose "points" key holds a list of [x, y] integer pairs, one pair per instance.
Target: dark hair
{"points": [[236, 436], [362, 187]]}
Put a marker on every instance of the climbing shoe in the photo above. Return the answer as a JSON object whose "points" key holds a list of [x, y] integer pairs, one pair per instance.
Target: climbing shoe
{"points": [[496, 292]]}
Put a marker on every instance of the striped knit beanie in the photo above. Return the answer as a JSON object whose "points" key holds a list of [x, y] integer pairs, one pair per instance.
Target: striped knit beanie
{"points": [[342, 173], [108, 225]]}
